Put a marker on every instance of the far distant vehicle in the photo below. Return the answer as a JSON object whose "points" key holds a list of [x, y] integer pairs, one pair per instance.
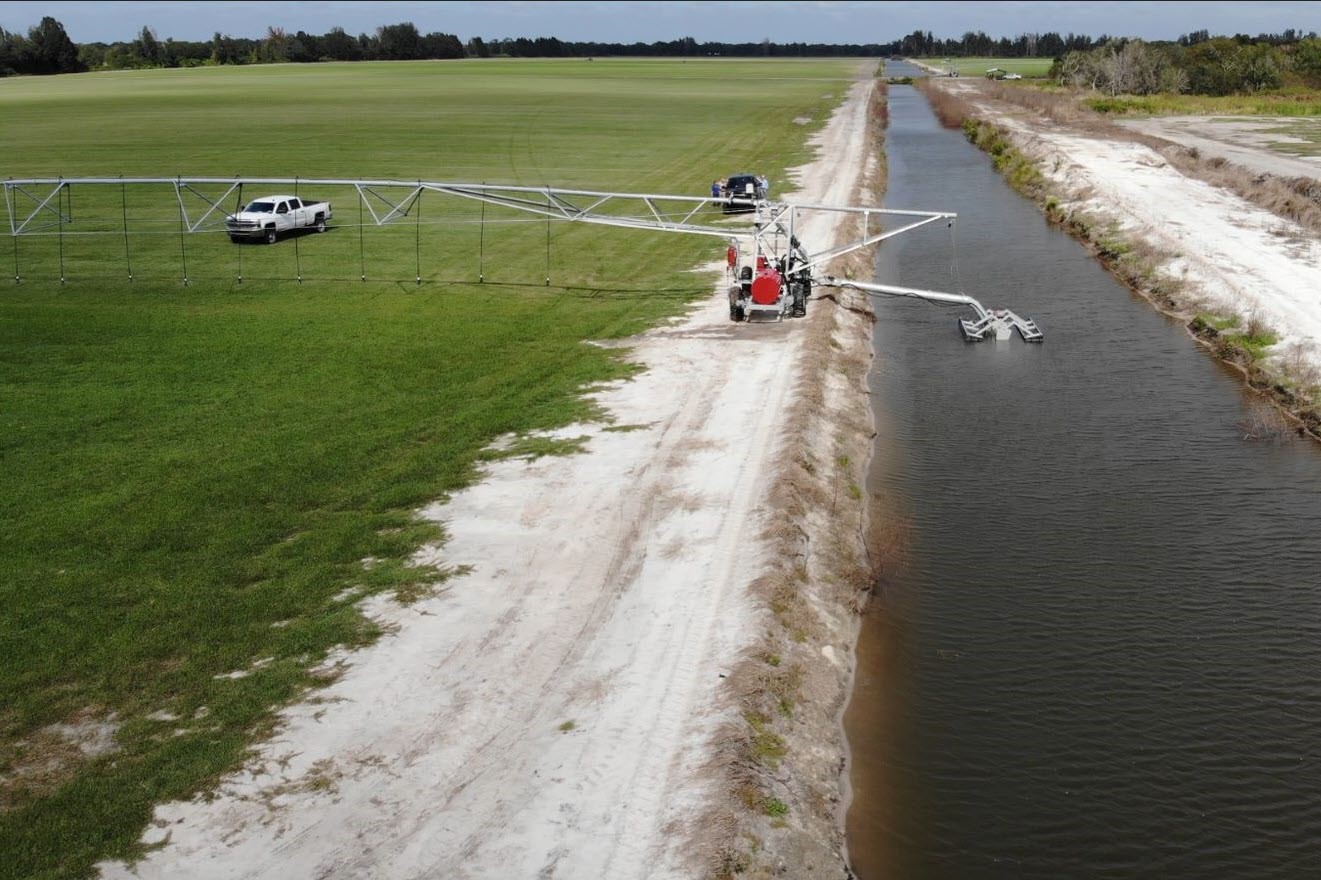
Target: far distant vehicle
{"points": [[1013, 76], [267, 218]]}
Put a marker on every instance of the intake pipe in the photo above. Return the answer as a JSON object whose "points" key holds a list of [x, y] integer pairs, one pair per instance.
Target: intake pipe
{"points": [[998, 323]]}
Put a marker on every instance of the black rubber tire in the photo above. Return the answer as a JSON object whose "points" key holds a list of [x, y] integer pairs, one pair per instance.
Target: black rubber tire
{"points": [[271, 236], [320, 223], [234, 238]]}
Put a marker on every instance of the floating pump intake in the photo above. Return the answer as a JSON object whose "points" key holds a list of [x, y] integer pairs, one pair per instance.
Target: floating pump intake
{"points": [[989, 323]]}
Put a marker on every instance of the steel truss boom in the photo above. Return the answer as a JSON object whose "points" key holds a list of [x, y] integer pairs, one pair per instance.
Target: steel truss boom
{"points": [[387, 201], [200, 202]]}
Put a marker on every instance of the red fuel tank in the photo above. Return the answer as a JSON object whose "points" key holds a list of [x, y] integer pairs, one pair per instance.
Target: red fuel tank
{"points": [[766, 287]]}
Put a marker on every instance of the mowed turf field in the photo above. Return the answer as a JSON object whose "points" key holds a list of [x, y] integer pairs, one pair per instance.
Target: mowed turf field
{"points": [[193, 475]]}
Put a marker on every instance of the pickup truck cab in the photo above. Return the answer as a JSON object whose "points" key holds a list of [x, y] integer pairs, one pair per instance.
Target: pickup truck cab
{"points": [[270, 216]]}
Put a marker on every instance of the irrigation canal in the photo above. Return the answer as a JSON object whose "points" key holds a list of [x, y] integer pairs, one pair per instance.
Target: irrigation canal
{"points": [[1103, 657]]}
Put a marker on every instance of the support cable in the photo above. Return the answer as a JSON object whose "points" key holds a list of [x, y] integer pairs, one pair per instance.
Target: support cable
{"points": [[548, 205], [59, 211], [298, 260], [417, 235], [362, 248], [123, 207], [481, 244], [183, 248], [238, 207]]}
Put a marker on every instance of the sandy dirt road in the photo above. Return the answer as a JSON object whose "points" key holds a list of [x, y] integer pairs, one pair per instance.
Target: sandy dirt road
{"points": [[1244, 141], [549, 714]]}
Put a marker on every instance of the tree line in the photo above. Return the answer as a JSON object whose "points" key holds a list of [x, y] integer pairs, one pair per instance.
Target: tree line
{"points": [[977, 44], [48, 49], [1196, 64]]}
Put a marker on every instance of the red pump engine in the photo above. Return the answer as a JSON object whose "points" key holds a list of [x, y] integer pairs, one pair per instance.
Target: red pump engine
{"points": [[766, 284]]}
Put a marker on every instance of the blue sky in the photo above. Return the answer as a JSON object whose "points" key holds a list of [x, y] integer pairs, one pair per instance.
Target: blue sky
{"points": [[840, 21]]}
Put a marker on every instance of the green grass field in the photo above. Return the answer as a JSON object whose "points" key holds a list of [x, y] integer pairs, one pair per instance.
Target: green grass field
{"points": [[1026, 67], [193, 475]]}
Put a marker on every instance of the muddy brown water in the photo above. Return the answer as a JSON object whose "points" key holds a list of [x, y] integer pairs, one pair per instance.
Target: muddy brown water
{"points": [[1103, 657]]}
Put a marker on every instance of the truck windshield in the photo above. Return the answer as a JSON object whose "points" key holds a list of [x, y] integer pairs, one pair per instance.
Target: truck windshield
{"points": [[261, 207]]}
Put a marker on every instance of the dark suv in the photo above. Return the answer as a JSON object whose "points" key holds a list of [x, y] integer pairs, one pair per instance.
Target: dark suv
{"points": [[742, 186]]}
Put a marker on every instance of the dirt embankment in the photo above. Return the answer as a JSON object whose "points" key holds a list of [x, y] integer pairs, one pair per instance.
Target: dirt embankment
{"points": [[782, 764], [593, 696], [1234, 254]]}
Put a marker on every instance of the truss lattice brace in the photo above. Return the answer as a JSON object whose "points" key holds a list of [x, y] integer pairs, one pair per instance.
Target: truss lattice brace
{"points": [[30, 201]]}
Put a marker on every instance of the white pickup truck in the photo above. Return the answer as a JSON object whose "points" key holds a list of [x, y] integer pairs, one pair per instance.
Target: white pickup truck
{"points": [[266, 218]]}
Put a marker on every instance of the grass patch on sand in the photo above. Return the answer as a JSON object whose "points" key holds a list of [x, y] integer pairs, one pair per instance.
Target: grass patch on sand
{"points": [[202, 481], [1300, 103]]}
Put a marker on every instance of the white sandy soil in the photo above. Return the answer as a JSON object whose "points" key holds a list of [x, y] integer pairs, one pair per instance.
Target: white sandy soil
{"points": [[549, 714], [1242, 258], [1245, 141]]}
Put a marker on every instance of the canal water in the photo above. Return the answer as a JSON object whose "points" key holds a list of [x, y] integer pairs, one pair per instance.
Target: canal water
{"points": [[1103, 655]]}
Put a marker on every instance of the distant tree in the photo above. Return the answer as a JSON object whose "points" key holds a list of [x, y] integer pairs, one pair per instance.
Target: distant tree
{"points": [[398, 42], [224, 50], [122, 56], [438, 45], [92, 55], [304, 48], [1305, 60], [477, 48], [14, 53], [1050, 44], [1257, 68], [149, 48], [339, 46], [51, 49], [274, 48]]}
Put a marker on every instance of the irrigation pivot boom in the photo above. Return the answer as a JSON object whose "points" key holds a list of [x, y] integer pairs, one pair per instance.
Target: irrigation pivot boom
{"points": [[774, 281]]}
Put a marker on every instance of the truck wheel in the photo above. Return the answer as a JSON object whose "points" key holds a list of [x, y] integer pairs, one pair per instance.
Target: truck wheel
{"points": [[320, 223], [270, 236], [234, 238]]}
